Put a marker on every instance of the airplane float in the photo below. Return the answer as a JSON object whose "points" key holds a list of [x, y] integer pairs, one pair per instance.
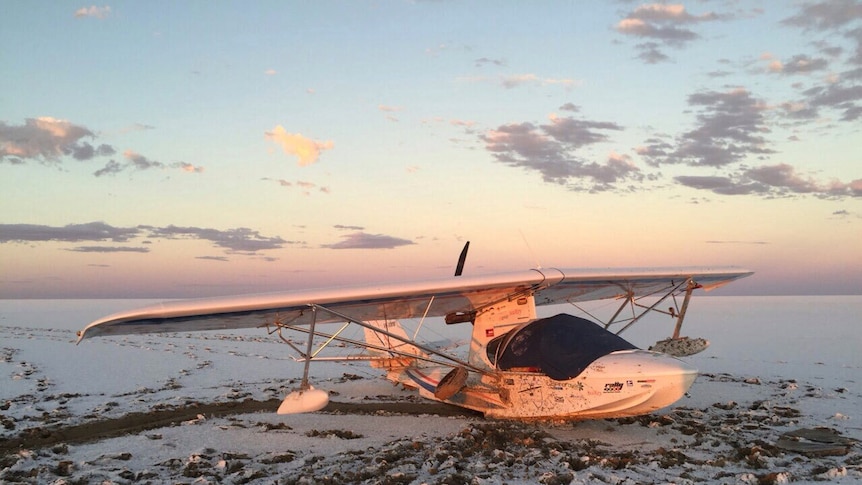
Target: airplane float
{"points": [[518, 366]]}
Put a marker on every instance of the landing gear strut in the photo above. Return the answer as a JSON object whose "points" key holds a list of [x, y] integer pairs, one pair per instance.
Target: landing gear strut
{"points": [[306, 399]]}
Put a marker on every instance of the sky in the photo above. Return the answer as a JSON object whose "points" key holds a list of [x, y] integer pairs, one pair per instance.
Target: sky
{"points": [[185, 149]]}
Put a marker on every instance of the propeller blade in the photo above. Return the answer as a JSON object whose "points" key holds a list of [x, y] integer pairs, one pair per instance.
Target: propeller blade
{"points": [[463, 257]]}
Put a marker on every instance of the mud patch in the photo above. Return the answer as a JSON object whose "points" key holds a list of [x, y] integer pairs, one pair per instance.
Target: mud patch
{"points": [[41, 437]]}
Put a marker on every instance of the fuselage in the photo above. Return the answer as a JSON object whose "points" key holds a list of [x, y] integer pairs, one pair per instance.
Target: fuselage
{"points": [[622, 383]]}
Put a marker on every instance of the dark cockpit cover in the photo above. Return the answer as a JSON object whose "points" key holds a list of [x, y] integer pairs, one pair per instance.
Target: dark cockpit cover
{"points": [[560, 347]]}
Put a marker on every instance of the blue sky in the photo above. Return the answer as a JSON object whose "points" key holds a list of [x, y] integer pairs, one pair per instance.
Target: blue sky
{"points": [[202, 148]]}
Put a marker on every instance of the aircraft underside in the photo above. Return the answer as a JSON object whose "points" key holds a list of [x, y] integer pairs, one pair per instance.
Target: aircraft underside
{"points": [[624, 383]]}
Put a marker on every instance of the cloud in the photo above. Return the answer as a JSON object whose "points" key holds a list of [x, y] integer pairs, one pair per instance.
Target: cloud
{"points": [[362, 240], [578, 133], [845, 214], [138, 127], [783, 176], [570, 107], [463, 123], [799, 64], [721, 185], [841, 91], [550, 149], [189, 168], [663, 25], [730, 131], [826, 15], [46, 139], [661, 21], [306, 149], [730, 127], [213, 258], [841, 97], [306, 187], [525, 145], [668, 34], [512, 81], [518, 80], [85, 151], [855, 36], [779, 180], [91, 231], [241, 239], [233, 240], [390, 109], [93, 11], [348, 228], [651, 53], [110, 168], [483, 61], [515, 80], [108, 249], [140, 162]]}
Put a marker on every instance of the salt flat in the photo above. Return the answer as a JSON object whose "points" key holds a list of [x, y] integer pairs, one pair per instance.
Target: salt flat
{"points": [[776, 365]]}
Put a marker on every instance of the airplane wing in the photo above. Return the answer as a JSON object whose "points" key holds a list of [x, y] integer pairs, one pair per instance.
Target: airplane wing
{"points": [[405, 300]]}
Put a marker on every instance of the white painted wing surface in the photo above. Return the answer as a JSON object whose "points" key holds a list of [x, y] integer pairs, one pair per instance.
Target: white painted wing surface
{"points": [[433, 298]]}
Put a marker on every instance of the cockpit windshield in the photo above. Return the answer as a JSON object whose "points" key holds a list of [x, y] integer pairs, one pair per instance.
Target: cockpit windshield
{"points": [[560, 347]]}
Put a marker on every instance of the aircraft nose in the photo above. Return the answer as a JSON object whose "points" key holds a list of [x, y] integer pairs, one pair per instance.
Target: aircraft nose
{"points": [[645, 365], [668, 378], [674, 372], [663, 364], [644, 381], [666, 375]]}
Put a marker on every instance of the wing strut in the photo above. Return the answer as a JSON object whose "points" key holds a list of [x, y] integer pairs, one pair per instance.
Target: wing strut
{"points": [[689, 288], [676, 345], [304, 384], [308, 356], [633, 302], [424, 348], [647, 309]]}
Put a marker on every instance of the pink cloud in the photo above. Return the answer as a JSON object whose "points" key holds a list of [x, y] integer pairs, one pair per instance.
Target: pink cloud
{"points": [[93, 11], [306, 149]]}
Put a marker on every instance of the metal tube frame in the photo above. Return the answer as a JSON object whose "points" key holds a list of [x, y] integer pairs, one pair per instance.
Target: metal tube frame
{"points": [[309, 356]]}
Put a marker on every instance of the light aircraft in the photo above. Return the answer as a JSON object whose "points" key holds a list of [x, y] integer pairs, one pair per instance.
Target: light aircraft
{"points": [[518, 366]]}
